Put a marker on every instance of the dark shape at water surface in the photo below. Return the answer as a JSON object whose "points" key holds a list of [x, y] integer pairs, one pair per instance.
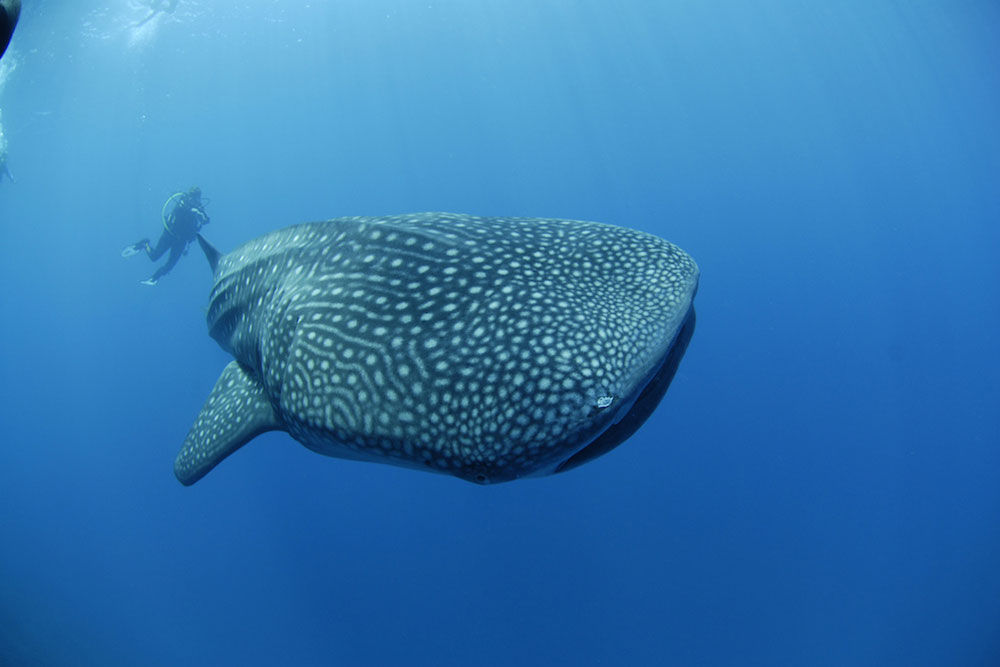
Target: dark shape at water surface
{"points": [[485, 348], [10, 10]]}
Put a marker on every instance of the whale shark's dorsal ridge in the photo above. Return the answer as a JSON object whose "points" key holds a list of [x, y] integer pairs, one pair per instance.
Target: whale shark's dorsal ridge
{"points": [[485, 348], [211, 254]]}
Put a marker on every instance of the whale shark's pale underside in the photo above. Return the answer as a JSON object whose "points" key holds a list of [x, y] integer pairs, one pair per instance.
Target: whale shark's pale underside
{"points": [[485, 348]]}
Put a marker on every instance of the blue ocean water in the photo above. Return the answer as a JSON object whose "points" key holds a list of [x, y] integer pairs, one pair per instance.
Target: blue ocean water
{"points": [[819, 486]]}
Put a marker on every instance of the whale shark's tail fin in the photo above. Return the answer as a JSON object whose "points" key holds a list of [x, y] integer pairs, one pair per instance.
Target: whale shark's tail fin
{"points": [[211, 254]]}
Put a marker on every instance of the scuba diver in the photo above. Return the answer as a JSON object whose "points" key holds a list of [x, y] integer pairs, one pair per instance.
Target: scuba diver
{"points": [[180, 227], [9, 11]]}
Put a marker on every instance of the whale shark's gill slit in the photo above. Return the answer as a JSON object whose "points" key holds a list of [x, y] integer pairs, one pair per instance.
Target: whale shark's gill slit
{"points": [[224, 324]]}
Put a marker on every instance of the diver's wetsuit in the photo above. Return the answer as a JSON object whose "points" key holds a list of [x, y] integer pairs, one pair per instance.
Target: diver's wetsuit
{"points": [[181, 229]]}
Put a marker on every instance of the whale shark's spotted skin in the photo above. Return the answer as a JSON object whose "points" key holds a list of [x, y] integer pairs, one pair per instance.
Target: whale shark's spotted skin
{"points": [[486, 348]]}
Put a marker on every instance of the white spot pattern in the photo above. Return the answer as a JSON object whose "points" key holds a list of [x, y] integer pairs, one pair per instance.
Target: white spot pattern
{"points": [[487, 348]]}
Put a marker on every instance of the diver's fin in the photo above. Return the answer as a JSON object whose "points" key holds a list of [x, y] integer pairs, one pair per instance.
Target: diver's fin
{"points": [[135, 248], [236, 412], [211, 254]]}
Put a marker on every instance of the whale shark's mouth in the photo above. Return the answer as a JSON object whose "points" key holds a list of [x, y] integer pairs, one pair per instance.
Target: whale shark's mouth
{"points": [[646, 401], [633, 413]]}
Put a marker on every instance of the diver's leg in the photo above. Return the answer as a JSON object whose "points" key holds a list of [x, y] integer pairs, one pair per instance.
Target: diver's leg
{"points": [[161, 247], [176, 251]]}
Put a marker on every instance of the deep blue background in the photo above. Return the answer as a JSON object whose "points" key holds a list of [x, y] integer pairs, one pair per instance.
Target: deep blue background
{"points": [[820, 485]]}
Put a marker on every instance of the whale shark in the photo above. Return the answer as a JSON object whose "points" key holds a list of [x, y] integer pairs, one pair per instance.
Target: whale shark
{"points": [[485, 348]]}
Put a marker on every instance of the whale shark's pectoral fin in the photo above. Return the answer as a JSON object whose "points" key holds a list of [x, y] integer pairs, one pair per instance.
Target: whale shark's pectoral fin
{"points": [[236, 411]]}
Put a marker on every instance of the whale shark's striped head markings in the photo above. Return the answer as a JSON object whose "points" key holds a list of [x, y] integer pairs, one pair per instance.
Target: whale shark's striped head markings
{"points": [[487, 348]]}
